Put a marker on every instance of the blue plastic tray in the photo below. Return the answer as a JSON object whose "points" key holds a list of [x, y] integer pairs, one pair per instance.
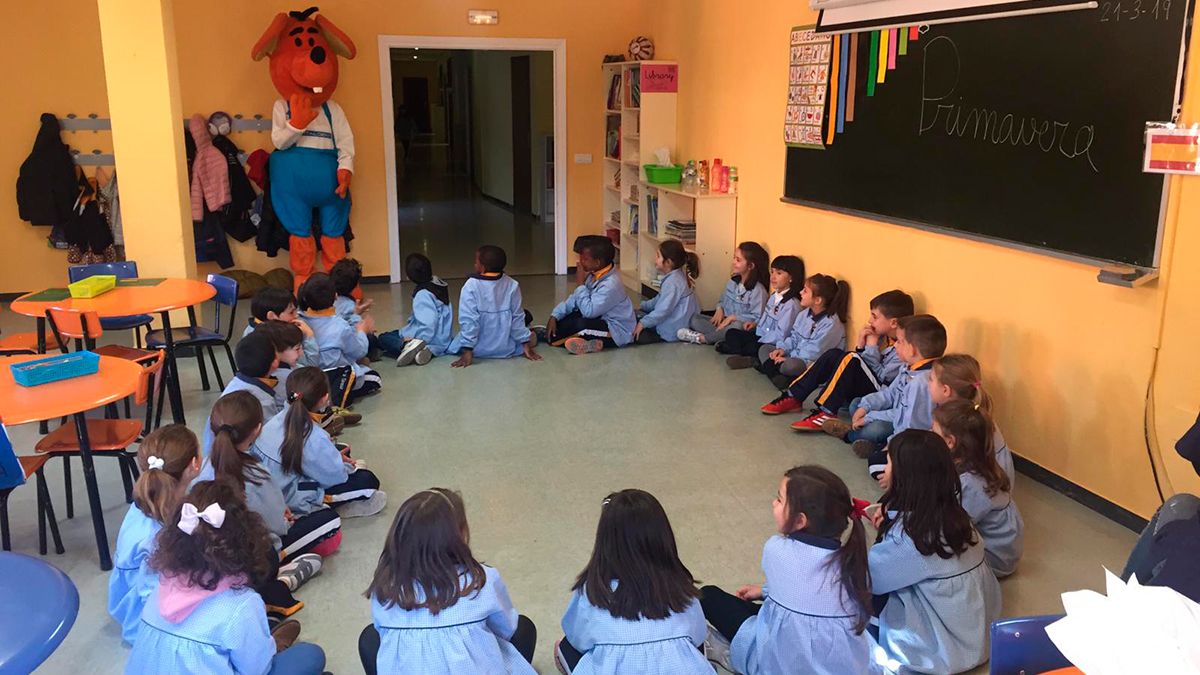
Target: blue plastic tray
{"points": [[55, 368]]}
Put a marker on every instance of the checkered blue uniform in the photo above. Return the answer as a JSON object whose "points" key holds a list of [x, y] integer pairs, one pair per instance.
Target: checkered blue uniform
{"points": [[998, 521], [615, 646], [806, 624], [744, 304], [811, 336], [130, 582], [471, 636], [672, 308], [491, 318], [321, 465]]}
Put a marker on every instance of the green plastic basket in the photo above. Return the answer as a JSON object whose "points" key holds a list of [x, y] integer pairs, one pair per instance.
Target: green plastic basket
{"points": [[663, 175]]}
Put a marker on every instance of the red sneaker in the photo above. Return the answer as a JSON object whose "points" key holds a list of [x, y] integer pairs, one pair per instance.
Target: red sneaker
{"points": [[784, 404], [813, 422]]}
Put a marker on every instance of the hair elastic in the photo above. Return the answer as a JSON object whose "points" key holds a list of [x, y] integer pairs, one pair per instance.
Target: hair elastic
{"points": [[190, 517], [229, 428], [153, 463], [858, 508], [294, 396]]}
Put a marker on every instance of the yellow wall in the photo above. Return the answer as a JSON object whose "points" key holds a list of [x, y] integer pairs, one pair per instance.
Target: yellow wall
{"points": [[1068, 359]]}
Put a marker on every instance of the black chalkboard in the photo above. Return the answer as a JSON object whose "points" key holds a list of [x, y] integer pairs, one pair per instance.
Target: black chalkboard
{"points": [[1027, 130]]}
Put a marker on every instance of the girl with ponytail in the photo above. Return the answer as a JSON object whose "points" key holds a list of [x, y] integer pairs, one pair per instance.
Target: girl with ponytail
{"points": [[671, 310], [169, 458], [959, 377], [814, 616], [775, 322], [313, 473], [820, 326]]}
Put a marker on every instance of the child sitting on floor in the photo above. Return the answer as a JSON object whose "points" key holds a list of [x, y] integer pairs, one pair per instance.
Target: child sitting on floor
{"points": [[204, 615], [347, 275], [775, 323], [169, 459], [810, 615], [820, 326], [305, 463], [426, 334], [740, 304], [277, 304], [634, 607], [341, 345], [435, 609], [958, 377], [986, 492], [935, 594], [598, 313], [285, 337], [676, 302], [492, 323], [256, 361]]}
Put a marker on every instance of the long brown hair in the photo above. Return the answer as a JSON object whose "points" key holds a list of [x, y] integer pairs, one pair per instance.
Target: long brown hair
{"points": [[157, 490], [961, 372], [925, 490], [241, 547], [305, 389], [834, 292], [235, 418], [825, 501], [635, 547], [974, 450], [760, 271], [427, 552], [672, 251]]}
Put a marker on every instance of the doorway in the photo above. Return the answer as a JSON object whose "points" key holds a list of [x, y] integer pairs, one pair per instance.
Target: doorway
{"points": [[471, 152]]}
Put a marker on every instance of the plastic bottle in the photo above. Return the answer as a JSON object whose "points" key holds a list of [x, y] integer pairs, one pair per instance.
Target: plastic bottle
{"points": [[715, 179], [690, 180], [733, 180], [704, 175]]}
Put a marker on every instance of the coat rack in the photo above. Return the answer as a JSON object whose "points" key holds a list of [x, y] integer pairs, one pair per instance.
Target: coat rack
{"points": [[95, 123]]}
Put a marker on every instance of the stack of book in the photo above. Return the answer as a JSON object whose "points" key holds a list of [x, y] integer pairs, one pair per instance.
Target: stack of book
{"points": [[683, 230]]}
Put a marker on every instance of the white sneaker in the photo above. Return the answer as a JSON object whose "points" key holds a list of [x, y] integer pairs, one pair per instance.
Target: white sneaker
{"points": [[363, 507], [423, 357], [301, 568], [689, 335], [409, 353], [716, 650]]}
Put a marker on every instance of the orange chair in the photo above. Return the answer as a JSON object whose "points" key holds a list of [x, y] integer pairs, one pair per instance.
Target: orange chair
{"points": [[19, 343], [109, 437], [30, 466], [84, 328]]}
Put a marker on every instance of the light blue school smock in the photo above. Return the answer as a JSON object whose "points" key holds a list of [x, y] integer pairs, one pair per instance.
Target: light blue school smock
{"points": [[672, 308], [131, 580]]}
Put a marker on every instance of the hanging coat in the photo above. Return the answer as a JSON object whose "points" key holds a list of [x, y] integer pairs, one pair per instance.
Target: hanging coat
{"points": [[235, 218], [46, 187], [271, 235]]}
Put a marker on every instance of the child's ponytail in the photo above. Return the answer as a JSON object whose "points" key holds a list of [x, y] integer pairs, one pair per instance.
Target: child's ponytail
{"points": [[961, 372], [836, 294], [234, 418], [825, 501], [692, 268], [841, 301], [974, 450], [305, 389], [672, 251], [163, 457]]}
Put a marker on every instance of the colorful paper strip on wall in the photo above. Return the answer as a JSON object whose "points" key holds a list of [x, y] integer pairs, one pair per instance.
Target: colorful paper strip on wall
{"points": [[808, 83]]}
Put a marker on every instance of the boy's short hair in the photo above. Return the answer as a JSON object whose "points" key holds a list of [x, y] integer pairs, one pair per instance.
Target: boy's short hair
{"points": [[602, 249], [893, 304], [583, 240], [926, 333], [254, 355], [418, 268], [346, 274], [283, 335], [271, 299], [492, 258], [318, 292]]}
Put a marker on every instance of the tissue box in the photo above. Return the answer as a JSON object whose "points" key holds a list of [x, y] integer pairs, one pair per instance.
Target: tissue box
{"points": [[55, 368], [663, 175], [93, 286]]}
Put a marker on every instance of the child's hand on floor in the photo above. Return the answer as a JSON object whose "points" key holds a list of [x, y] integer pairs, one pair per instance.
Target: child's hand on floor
{"points": [[304, 327], [750, 592], [530, 354], [860, 418], [465, 359]]}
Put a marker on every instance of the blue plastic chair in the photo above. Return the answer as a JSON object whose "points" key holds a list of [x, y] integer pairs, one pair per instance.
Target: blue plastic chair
{"points": [[14, 472], [200, 338], [1021, 647], [121, 270], [38, 609]]}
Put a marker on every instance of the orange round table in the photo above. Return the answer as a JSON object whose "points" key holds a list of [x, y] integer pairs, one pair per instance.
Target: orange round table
{"points": [[116, 379], [169, 294]]}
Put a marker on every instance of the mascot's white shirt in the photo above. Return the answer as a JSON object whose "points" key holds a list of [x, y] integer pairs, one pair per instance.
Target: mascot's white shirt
{"points": [[317, 135]]}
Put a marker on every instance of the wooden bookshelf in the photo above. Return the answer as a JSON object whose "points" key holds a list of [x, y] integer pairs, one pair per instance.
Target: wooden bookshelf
{"points": [[715, 215]]}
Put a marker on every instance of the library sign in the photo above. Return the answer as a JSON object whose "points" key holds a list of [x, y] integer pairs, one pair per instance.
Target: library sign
{"points": [[660, 78]]}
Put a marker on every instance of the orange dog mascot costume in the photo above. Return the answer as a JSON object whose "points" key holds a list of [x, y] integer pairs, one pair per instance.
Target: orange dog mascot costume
{"points": [[314, 157]]}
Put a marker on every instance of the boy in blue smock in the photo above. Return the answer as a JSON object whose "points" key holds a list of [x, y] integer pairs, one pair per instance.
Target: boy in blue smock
{"points": [[598, 313], [492, 323], [278, 304], [256, 361], [427, 332], [347, 276], [341, 345]]}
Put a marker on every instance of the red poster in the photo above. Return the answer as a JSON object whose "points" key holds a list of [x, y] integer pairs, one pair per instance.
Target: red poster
{"points": [[660, 78]]}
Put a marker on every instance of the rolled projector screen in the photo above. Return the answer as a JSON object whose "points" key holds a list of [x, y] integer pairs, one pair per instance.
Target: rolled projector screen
{"points": [[839, 16]]}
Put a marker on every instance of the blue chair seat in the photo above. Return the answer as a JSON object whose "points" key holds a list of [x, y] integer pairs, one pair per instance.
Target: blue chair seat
{"points": [[1021, 646], [126, 322], [155, 339], [39, 608]]}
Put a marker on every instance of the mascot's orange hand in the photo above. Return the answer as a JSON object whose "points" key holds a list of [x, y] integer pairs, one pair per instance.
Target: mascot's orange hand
{"points": [[302, 110], [343, 182]]}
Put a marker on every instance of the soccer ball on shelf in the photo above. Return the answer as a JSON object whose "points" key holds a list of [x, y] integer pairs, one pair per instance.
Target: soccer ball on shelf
{"points": [[641, 48]]}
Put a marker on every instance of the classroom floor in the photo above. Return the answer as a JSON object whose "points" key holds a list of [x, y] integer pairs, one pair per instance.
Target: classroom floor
{"points": [[534, 448]]}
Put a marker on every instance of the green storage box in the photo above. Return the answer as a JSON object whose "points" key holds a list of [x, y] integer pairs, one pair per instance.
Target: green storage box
{"points": [[663, 175]]}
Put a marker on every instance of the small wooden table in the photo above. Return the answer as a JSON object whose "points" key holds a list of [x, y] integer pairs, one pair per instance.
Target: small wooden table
{"points": [[167, 295], [116, 379]]}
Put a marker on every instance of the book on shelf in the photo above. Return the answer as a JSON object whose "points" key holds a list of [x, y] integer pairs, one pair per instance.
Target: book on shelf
{"points": [[652, 214], [614, 92], [635, 87], [613, 136], [633, 219]]}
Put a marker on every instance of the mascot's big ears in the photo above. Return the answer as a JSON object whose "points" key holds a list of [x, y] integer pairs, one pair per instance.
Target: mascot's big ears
{"points": [[339, 42]]}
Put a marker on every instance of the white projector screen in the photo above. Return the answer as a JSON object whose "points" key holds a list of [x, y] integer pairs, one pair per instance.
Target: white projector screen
{"points": [[877, 14]]}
